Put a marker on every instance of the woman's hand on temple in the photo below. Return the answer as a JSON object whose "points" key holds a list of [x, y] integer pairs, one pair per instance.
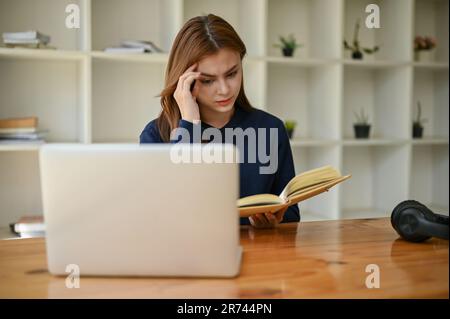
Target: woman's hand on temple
{"points": [[187, 100]]}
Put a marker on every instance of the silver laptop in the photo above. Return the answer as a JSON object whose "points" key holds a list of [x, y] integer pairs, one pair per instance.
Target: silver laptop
{"points": [[136, 210]]}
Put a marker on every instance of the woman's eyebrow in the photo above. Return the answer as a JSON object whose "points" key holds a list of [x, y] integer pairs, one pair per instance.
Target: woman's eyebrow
{"points": [[213, 76]]}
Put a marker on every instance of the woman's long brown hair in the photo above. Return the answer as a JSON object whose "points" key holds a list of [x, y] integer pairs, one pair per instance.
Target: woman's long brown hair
{"points": [[199, 37]]}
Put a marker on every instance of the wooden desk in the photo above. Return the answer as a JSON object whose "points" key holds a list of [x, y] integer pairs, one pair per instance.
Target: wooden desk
{"points": [[325, 259]]}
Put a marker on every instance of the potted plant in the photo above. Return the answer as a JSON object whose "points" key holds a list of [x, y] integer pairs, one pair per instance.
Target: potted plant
{"points": [[290, 126], [417, 123], [361, 126], [422, 44], [355, 48], [288, 45]]}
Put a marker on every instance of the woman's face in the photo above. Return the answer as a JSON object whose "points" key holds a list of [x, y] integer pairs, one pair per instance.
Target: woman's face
{"points": [[221, 76]]}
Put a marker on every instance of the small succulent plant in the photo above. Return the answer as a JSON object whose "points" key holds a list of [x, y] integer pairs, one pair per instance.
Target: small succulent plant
{"points": [[418, 120], [361, 118], [288, 44], [355, 47], [290, 126]]}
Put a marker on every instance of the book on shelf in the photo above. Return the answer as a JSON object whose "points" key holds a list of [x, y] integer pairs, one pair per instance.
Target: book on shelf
{"points": [[125, 50], [22, 141], [18, 130], [29, 226], [148, 45], [23, 128], [19, 122], [39, 135], [30, 46], [302, 187], [30, 36], [14, 41], [135, 46]]}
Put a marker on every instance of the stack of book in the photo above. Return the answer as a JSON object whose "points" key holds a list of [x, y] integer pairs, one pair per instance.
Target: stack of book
{"points": [[29, 226], [28, 39], [135, 46], [23, 129]]}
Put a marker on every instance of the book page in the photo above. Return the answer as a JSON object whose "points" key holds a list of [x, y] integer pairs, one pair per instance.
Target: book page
{"points": [[259, 200], [309, 178], [315, 190]]}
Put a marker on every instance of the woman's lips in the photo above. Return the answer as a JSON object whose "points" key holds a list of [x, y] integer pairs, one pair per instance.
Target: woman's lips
{"points": [[224, 102]]}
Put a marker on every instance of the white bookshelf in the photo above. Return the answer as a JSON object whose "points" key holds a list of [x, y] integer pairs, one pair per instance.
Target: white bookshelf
{"points": [[84, 95]]}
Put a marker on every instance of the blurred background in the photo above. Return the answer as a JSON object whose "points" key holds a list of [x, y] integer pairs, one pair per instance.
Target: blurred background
{"points": [[377, 110]]}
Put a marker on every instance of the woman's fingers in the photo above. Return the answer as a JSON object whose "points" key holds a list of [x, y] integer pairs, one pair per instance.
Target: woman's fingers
{"points": [[189, 79], [280, 214], [254, 220], [191, 68], [183, 78], [266, 220], [261, 221], [271, 218], [183, 87]]}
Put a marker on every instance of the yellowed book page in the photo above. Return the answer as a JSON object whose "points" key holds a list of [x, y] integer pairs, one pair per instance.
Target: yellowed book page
{"points": [[309, 188], [301, 196], [259, 199], [308, 178]]}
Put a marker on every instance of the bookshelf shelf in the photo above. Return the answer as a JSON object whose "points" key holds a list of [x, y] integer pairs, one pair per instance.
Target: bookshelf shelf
{"points": [[298, 61], [373, 142], [127, 57], [374, 64], [82, 94], [304, 142], [431, 141], [20, 147], [56, 55], [431, 65]]}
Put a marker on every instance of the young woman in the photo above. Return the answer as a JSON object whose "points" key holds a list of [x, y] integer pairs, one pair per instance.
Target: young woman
{"points": [[204, 90]]}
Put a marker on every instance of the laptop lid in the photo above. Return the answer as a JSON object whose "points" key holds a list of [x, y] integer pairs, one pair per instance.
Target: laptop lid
{"points": [[137, 210]]}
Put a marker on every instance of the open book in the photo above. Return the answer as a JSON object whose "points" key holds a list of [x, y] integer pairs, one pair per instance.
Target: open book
{"points": [[300, 188]]}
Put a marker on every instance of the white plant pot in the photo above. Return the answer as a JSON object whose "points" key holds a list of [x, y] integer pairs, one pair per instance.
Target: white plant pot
{"points": [[424, 56]]}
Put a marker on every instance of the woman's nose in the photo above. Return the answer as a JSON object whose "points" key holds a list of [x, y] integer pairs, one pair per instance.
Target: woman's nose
{"points": [[223, 87]]}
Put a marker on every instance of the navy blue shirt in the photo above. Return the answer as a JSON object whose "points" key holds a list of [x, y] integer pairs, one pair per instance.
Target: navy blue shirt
{"points": [[251, 180]]}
